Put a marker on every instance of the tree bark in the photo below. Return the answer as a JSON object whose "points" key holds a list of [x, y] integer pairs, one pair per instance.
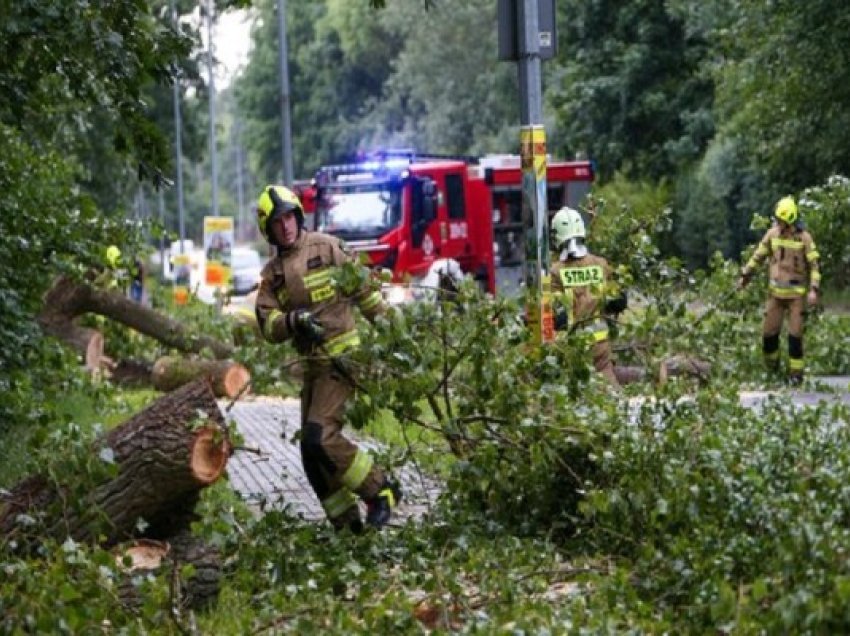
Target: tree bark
{"points": [[69, 299], [629, 375], [197, 591], [163, 454], [677, 366], [228, 378], [87, 342], [674, 366]]}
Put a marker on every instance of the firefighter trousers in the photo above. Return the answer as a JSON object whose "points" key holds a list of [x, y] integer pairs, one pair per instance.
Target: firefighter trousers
{"points": [[774, 315], [602, 362], [336, 468]]}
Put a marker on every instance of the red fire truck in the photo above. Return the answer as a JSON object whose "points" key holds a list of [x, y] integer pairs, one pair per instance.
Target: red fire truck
{"points": [[412, 213]]}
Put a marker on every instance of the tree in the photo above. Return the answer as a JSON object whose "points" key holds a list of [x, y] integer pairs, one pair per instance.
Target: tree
{"points": [[784, 87], [633, 90]]}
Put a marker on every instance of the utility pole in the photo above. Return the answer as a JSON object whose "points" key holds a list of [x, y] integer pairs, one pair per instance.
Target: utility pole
{"points": [[521, 39], [211, 60], [178, 147], [240, 194], [161, 230], [285, 124]]}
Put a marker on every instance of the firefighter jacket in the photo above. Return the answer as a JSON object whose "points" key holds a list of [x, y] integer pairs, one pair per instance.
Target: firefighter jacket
{"points": [[793, 261], [299, 278], [584, 286]]}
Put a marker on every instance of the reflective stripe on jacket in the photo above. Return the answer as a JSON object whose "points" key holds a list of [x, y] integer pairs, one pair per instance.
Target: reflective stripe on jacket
{"points": [[582, 286], [793, 258], [300, 277]]}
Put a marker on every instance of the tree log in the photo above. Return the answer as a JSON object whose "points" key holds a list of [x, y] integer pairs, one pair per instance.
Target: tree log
{"points": [[174, 447], [674, 366], [148, 556], [131, 373], [87, 342], [629, 375], [228, 378], [678, 366], [69, 299]]}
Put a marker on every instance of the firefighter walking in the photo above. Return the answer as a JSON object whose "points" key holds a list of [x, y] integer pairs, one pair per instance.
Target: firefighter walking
{"points": [[793, 267], [297, 299], [583, 289]]}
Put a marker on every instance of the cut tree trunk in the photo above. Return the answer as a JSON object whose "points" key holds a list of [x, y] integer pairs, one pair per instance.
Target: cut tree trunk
{"points": [[132, 373], [143, 556], [86, 342], [678, 366], [629, 375], [228, 378], [69, 299], [675, 366], [163, 454]]}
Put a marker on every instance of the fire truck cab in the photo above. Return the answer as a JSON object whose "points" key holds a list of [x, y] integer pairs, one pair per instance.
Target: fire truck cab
{"points": [[412, 213]]}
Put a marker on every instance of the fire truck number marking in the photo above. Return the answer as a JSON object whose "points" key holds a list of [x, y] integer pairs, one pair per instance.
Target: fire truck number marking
{"points": [[427, 245], [458, 231]]}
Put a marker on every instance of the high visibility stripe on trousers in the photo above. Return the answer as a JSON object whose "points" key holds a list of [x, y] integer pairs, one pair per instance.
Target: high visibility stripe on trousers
{"points": [[339, 502], [782, 289]]}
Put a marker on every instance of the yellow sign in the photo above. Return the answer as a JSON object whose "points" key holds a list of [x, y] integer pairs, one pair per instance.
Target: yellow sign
{"points": [[218, 249], [532, 143]]}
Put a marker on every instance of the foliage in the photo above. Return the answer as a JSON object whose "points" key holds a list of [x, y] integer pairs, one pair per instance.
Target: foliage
{"points": [[781, 61], [825, 210], [632, 91]]}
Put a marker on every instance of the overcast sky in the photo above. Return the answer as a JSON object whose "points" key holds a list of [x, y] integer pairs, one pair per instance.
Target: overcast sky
{"points": [[232, 37]]}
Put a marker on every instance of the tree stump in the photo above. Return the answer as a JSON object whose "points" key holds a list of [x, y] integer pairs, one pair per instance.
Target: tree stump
{"points": [[174, 447], [228, 378], [148, 557]]}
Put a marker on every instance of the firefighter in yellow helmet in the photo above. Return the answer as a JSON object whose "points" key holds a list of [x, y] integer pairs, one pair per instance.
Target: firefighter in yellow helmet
{"points": [[583, 289], [298, 300], [793, 270]]}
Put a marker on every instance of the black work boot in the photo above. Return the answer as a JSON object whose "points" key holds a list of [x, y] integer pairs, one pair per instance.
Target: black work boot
{"points": [[349, 520], [380, 507]]}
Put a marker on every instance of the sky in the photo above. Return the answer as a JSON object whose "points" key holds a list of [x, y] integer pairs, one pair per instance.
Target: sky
{"points": [[232, 38]]}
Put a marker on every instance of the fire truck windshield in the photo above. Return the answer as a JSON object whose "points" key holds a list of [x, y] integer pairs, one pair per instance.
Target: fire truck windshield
{"points": [[364, 210]]}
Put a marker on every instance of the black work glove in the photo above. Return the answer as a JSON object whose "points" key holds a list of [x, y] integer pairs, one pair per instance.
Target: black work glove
{"points": [[302, 323]]}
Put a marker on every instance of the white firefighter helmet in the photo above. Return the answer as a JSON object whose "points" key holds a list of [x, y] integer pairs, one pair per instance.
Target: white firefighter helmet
{"points": [[567, 224], [568, 233]]}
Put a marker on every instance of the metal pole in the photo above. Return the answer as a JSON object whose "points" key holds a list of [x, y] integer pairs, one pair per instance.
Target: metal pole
{"points": [[178, 148], [162, 230], [533, 153], [210, 60], [240, 193], [285, 124]]}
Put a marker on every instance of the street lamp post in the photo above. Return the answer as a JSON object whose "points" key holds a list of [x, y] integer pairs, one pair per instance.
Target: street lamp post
{"points": [[285, 124]]}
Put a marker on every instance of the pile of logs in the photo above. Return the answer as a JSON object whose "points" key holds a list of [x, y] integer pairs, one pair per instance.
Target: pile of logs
{"points": [[165, 455]]}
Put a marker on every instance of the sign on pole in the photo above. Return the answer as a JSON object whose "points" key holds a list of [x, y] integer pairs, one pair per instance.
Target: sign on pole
{"points": [[218, 249], [533, 156]]}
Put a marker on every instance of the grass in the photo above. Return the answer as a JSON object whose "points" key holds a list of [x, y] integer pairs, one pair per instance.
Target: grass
{"points": [[423, 446], [100, 405]]}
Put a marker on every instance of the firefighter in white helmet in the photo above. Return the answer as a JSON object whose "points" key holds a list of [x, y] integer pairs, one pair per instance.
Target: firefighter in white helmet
{"points": [[794, 267], [298, 300], [583, 289]]}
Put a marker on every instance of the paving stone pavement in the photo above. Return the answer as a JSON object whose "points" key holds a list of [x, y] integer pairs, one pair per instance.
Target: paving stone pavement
{"points": [[272, 477]]}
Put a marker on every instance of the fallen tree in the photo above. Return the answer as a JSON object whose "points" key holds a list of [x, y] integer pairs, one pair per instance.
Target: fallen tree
{"points": [[675, 366], [160, 459], [69, 299], [227, 378]]}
